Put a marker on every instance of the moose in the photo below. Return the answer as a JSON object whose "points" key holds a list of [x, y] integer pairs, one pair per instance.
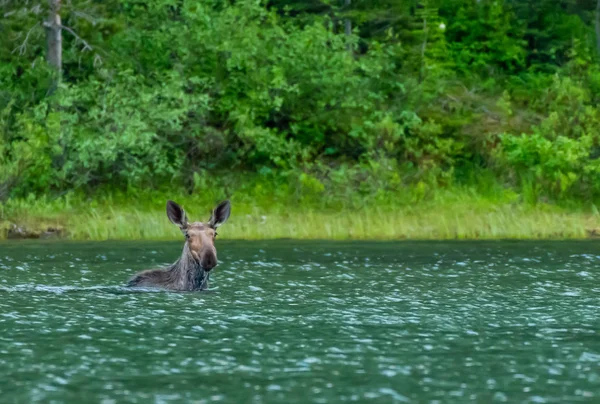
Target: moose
{"points": [[191, 271]]}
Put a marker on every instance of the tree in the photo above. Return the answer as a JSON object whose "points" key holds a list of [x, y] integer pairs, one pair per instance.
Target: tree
{"points": [[25, 21], [54, 36]]}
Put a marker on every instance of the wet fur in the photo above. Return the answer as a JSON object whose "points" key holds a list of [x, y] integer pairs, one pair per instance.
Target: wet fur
{"points": [[185, 274]]}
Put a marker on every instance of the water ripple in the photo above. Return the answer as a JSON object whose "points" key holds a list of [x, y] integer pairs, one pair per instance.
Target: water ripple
{"points": [[303, 322]]}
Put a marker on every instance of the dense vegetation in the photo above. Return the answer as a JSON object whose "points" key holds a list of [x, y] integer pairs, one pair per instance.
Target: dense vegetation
{"points": [[320, 102]]}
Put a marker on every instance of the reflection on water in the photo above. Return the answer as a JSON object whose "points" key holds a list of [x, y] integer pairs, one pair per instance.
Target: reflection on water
{"points": [[303, 322]]}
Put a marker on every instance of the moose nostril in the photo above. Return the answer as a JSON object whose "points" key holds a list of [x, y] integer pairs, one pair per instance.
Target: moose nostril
{"points": [[209, 262]]}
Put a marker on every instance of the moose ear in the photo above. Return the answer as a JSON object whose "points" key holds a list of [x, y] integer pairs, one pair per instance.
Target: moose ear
{"points": [[220, 214], [176, 215]]}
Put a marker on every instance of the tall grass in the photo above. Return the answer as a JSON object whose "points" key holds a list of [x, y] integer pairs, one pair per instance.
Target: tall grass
{"points": [[449, 223], [456, 213]]}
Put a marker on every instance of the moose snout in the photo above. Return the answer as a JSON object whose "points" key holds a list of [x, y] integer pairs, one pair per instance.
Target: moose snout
{"points": [[208, 261]]}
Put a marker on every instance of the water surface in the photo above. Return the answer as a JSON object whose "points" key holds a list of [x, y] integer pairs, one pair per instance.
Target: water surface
{"points": [[303, 322]]}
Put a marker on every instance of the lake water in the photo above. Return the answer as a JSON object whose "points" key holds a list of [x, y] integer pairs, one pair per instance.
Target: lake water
{"points": [[298, 322]]}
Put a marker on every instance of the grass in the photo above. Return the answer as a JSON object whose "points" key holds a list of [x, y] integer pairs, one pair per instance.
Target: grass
{"points": [[449, 223], [458, 213]]}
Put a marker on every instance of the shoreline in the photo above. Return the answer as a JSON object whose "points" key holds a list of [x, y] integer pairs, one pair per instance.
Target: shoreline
{"points": [[446, 222]]}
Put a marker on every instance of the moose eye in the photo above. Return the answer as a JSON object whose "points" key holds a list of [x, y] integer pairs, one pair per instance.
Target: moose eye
{"points": [[216, 234], [187, 236]]}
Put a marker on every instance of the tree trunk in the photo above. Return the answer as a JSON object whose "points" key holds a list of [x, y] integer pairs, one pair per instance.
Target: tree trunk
{"points": [[54, 36], [598, 25], [424, 49]]}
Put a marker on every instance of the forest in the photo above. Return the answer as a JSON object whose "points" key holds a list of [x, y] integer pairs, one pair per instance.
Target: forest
{"points": [[352, 118]]}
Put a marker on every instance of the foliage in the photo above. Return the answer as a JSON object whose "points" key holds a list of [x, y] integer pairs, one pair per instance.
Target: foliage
{"points": [[422, 93], [561, 155]]}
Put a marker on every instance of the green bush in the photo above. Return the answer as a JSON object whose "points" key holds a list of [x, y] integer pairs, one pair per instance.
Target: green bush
{"points": [[561, 155], [423, 93]]}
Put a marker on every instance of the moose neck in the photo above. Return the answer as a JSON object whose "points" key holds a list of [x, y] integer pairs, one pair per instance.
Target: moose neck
{"points": [[188, 271]]}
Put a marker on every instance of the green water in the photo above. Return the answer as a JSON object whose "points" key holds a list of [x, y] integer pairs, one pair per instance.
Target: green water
{"points": [[304, 322]]}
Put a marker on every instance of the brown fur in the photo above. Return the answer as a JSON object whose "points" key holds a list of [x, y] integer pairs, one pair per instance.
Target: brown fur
{"points": [[191, 271]]}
